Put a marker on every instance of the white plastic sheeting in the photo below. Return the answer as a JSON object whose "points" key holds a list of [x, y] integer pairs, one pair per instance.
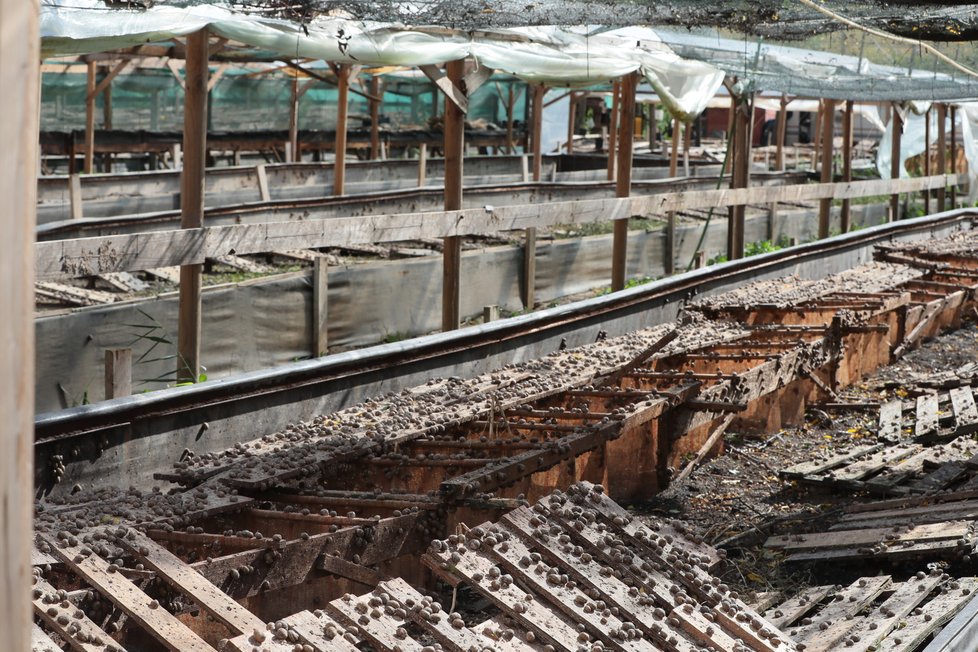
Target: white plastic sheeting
{"points": [[556, 57]]}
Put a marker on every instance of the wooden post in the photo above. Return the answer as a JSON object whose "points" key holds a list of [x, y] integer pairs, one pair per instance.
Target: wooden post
{"points": [[422, 164], [687, 142], [75, 196], [613, 128], [320, 307], [954, 157], [529, 267], [343, 91], [782, 129], [846, 212], [623, 182], [941, 154], [107, 123], [536, 135], [817, 140], [895, 164], [192, 202], [90, 119], [118, 373], [653, 127], [510, 107], [669, 254], [454, 150], [926, 193], [490, 314], [375, 118], [20, 80], [828, 141], [294, 121], [571, 119], [740, 175]]}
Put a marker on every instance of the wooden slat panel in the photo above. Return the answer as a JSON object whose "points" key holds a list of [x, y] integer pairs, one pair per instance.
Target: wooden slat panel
{"points": [[816, 467], [88, 636], [963, 404], [158, 622], [927, 550], [313, 628], [191, 583], [847, 602], [931, 617], [891, 421], [788, 612], [947, 474], [874, 463], [41, 642], [927, 417], [848, 538], [380, 628]]}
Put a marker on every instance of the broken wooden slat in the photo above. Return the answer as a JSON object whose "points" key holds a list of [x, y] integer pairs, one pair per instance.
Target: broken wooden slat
{"points": [[158, 622], [191, 583], [243, 264], [786, 613], [965, 411], [816, 467], [320, 631], [885, 535], [946, 475], [72, 295], [918, 626], [349, 570], [168, 274], [891, 421], [380, 628], [123, 281], [764, 600], [41, 642], [948, 549], [847, 602], [70, 622], [927, 416], [866, 467]]}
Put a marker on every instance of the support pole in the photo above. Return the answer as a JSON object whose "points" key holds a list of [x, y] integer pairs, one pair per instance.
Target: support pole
{"points": [[782, 128], [653, 127], [375, 118], [669, 257], [454, 149], [927, 148], [118, 373], [343, 92], [941, 154], [613, 128], [828, 142], [529, 268], [510, 107], [192, 202], [20, 79], [895, 163], [320, 306], [954, 157], [294, 120], [571, 119], [817, 141], [846, 212], [90, 119], [536, 135], [623, 183], [422, 165], [740, 174], [107, 123]]}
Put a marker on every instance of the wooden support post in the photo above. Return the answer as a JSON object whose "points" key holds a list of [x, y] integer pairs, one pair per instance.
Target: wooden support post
{"points": [[375, 117], [529, 267], [75, 196], [740, 177], [90, 120], [107, 121], [320, 307], [674, 157], [954, 157], [927, 148], [422, 164], [817, 141], [687, 143], [613, 129], [623, 182], [653, 127], [294, 121], [454, 150], [895, 164], [846, 212], [490, 314], [669, 255], [192, 202], [828, 141], [941, 154], [118, 373], [571, 119], [20, 80], [782, 129], [536, 136], [342, 104], [510, 108]]}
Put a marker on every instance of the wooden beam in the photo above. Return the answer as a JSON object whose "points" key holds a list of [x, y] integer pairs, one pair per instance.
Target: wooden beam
{"points": [[192, 202], [20, 80], [342, 107], [510, 107], [536, 134], [450, 88], [422, 165], [294, 120], [529, 267], [941, 154], [104, 84], [669, 257], [75, 196], [623, 183], [846, 212], [454, 152], [320, 306], [895, 164], [118, 373], [741, 174], [216, 77], [927, 148], [375, 118], [613, 129], [90, 119], [782, 128], [954, 157], [828, 141]]}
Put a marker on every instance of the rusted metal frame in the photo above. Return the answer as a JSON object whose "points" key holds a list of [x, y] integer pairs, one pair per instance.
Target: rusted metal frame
{"points": [[502, 473]]}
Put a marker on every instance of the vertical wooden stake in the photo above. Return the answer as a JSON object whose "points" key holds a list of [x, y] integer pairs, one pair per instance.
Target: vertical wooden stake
{"points": [[490, 314], [343, 91], [828, 142], [941, 154], [927, 149], [817, 141], [294, 121], [20, 80], [653, 127], [422, 164], [895, 164], [118, 373], [75, 196], [510, 107], [536, 136], [782, 128], [623, 182], [571, 119], [452, 252], [192, 202], [107, 124], [375, 118], [320, 307], [529, 267], [669, 253], [846, 213], [262, 182], [740, 175], [90, 119], [954, 157], [613, 129], [687, 141]]}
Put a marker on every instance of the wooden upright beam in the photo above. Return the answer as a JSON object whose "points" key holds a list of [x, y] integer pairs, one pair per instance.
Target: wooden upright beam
{"points": [[20, 80], [954, 156], [941, 154], [669, 259], [90, 120], [613, 129], [782, 128], [895, 164], [454, 152], [320, 307], [536, 135], [927, 148], [828, 142], [294, 120], [623, 182], [846, 212], [375, 117], [118, 373], [342, 105], [529, 267], [571, 119], [740, 177], [510, 108], [192, 202]]}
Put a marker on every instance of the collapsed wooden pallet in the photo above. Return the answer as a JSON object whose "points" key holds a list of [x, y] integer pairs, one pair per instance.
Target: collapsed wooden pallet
{"points": [[873, 613], [932, 416]]}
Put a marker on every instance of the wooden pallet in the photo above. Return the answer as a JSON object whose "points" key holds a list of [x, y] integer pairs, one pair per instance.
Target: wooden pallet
{"points": [[872, 613], [932, 416]]}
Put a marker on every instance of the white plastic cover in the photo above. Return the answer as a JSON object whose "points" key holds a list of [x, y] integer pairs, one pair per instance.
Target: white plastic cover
{"points": [[550, 55]]}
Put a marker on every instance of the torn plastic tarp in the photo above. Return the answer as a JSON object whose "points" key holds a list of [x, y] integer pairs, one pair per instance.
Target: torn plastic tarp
{"points": [[549, 55]]}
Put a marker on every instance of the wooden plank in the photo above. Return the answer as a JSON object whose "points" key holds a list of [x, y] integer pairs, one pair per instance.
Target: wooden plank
{"points": [[919, 625], [887, 535], [860, 469], [320, 307], [75, 196], [815, 467], [828, 161], [896, 163], [448, 85], [191, 583], [891, 421], [454, 154], [68, 621], [320, 631], [242, 264], [623, 182], [846, 603], [262, 177], [927, 417], [335, 565], [927, 550], [118, 373], [382, 629], [41, 642], [793, 609], [963, 405], [343, 73], [529, 268], [158, 622], [946, 475]]}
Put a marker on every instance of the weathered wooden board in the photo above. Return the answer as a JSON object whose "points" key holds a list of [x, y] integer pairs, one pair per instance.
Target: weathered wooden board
{"points": [[70, 622], [891, 421]]}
